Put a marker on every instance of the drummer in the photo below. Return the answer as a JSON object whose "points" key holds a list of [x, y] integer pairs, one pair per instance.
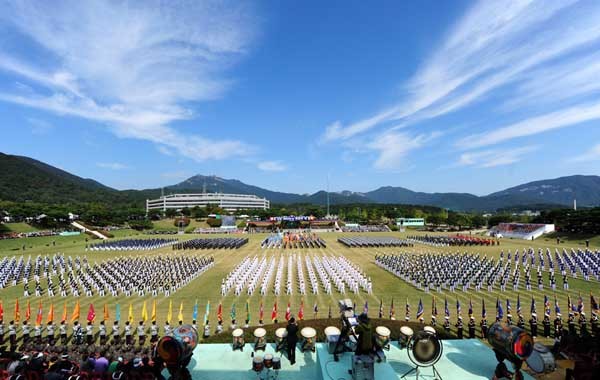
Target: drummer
{"points": [[364, 344], [292, 340]]}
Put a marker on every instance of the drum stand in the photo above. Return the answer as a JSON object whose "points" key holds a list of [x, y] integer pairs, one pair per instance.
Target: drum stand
{"points": [[436, 373]]}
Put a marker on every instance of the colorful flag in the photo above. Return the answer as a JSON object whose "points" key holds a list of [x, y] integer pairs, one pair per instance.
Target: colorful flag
{"points": [[407, 312], [508, 307], [40, 315], [118, 313], [532, 310], [446, 310], [144, 312], [130, 316], [105, 314], [64, 313], [2, 311], [28, 311], [153, 315], [180, 314], [546, 305], [247, 311], [170, 312], [301, 310], [274, 312], [76, 311], [580, 304], [570, 305], [233, 313], [288, 312], [420, 310], [195, 311], [381, 308], [483, 312], [458, 308], [17, 311], [51, 313], [593, 303], [91, 313], [261, 312], [220, 312], [518, 304], [499, 311], [366, 307], [470, 307], [316, 310], [392, 311], [556, 307]]}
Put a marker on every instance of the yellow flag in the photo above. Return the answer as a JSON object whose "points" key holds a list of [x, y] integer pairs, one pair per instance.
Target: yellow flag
{"points": [[144, 312], [153, 316], [106, 316], [180, 315], [76, 311], [170, 314], [130, 317], [51, 313]]}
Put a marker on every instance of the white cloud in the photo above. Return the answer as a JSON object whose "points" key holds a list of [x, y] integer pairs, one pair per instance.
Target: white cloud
{"points": [[271, 166], [593, 154], [494, 157], [491, 49], [538, 124], [112, 165], [392, 148], [135, 67]]}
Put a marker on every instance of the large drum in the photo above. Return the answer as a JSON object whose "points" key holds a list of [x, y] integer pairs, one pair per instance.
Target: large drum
{"points": [[309, 334], [332, 336], [260, 343], [280, 341], [276, 362], [430, 330], [541, 359], [176, 350], [406, 334], [238, 339], [382, 337]]}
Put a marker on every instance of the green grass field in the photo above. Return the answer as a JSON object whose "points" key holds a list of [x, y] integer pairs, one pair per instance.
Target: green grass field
{"points": [[207, 287]]}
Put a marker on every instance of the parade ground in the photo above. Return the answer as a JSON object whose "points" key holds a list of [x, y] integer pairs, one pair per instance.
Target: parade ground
{"points": [[206, 288]]}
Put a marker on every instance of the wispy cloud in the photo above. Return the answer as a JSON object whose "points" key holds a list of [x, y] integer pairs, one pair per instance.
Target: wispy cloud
{"points": [[272, 166], [593, 154], [134, 67], [392, 147], [512, 52], [38, 126], [112, 165], [494, 157]]}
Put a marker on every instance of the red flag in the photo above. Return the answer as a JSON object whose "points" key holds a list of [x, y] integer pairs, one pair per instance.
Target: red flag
{"points": [[51, 313], [17, 311], [1, 311], [261, 311], [91, 313], [38, 319], [301, 311], [288, 313], [220, 313], [28, 311], [274, 312]]}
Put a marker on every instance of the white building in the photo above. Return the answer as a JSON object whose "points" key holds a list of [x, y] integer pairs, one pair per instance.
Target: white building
{"points": [[230, 202]]}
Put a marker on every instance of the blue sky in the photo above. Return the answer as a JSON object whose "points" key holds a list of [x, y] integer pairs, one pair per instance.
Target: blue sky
{"points": [[429, 95]]}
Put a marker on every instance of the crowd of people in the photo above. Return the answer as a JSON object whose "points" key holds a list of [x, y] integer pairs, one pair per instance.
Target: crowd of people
{"points": [[131, 244], [217, 243], [368, 241], [454, 240], [63, 276], [366, 228], [293, 240]]}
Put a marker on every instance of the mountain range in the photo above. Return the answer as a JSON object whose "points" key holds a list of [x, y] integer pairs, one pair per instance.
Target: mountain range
{"points": [[25, 179]]}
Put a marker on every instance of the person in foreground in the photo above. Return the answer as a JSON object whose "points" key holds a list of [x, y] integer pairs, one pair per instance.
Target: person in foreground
{"points": [[292, 339], [364, 331]]}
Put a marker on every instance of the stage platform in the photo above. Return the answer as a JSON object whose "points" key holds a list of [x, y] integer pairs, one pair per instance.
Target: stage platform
{"points": [[462, 359]]}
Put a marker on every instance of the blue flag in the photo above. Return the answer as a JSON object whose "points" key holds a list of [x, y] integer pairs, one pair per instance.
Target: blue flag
{"points": [[195, 312], [446, 310], [518, 304], [420, 310], [499, 309], [118, 313], [556, 307], [532, 305], [458, 309], [508, 307], [483, 312]]}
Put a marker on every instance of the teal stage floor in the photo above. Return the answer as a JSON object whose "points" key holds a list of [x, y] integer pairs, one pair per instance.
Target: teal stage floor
{"points": [[462, 360]]}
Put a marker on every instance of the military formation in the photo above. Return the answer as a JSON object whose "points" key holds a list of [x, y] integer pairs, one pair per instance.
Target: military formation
{"points": [[131, 245], [62, 276], [216, 243], [451, 241], [368, 241], [292, 240]]}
